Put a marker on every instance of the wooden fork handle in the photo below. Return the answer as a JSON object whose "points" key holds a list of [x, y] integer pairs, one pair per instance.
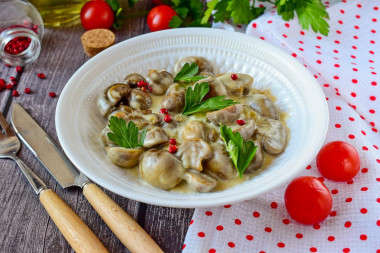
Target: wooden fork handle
{"points": [[122, 224], [76, 232]]}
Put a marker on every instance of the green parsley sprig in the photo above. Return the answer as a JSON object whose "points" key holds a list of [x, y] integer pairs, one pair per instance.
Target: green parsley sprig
{"points": [[124, 135], [194, 103], [310, 13], [241, 152], [187, 73]]}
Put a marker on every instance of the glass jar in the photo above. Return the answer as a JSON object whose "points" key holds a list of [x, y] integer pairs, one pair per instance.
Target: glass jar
{"points": [[21, 31]]}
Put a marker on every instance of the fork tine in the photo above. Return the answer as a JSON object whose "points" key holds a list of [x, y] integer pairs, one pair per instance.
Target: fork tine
{"points": [[4, 124]]}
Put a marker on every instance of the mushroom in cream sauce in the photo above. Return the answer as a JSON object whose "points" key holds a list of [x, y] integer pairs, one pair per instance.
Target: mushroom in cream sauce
{"points": [[178, 148]]}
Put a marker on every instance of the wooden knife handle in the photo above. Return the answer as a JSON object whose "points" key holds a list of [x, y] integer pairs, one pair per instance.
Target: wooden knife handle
{"points": [[76, 232], [122, 224]]}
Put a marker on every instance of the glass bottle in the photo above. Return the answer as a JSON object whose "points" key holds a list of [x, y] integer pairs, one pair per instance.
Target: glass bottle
{"points": [[21, 31], [59, 13]]}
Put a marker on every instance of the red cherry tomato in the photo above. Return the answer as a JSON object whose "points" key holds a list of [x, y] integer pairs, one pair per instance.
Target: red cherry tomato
{"points": [[338, 160], [96, 14], [308, 200], [159, 17]]}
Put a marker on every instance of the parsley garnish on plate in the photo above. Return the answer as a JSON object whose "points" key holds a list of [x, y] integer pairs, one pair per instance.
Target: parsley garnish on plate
{"points": [[124, 135], [187, 73], [241, 152], [194, 103]]}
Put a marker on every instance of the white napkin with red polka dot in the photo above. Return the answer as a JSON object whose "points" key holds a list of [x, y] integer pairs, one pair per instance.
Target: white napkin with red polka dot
{"points": [[347, 66]]}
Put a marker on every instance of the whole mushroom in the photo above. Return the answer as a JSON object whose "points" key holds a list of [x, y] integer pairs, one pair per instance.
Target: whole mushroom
{"points": [[193, 152], [111, 96], [161, 169], [225, 116], [133, 79], [220, 163], [216, 87], [263, 105], [139, 99], [274, 135], [200, 182], [203, 64], [239, 86], [174, 100], [159, 81], [124, 157]]}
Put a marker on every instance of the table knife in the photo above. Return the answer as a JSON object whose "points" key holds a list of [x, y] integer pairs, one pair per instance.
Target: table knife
{"points": [[60, 167]]}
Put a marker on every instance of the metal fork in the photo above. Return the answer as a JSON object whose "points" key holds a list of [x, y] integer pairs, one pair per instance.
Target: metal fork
{"points": [[76, 232], [9, 146]]}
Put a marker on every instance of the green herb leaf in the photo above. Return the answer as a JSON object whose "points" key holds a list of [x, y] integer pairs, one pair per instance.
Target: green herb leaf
{"points": [[240, 11], [187, 73], [314, 15], [257, 11], [221, 13], [124, 135], [176, 2], [241, 152], [194, 97], [194, 104], [211, 104], [210, 7], [114, 4], [175, 22]]}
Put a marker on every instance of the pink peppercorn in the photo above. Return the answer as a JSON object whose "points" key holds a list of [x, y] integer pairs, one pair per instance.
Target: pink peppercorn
{"points": [[164, 111], [27, 90], [173, 141], [41, 75], [15, 93], [12, 78], [234, 77], [52, 94], [19, 69], [240, 122], [172, 149], [167, 118], [9, 86]]}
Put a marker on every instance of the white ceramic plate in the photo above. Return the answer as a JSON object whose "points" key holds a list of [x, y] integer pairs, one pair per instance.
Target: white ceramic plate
{"points": [[78, 121]]}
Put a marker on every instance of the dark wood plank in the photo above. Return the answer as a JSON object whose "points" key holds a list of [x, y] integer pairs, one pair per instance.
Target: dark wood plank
{"points": [[25, 225], [168, 226]]}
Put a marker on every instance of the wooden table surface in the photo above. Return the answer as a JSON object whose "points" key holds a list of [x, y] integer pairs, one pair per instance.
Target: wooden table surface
{"points": [[24, 224]]}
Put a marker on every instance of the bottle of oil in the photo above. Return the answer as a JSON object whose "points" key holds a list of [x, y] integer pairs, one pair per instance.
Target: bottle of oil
{"points": [[59, 13]]}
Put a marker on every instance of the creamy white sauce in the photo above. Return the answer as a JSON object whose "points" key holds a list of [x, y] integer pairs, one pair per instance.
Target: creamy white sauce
{"points": [[176, 133]]}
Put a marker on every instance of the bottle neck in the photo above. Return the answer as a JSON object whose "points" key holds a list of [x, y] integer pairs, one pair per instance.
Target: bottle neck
{"points": [[19, 46]]}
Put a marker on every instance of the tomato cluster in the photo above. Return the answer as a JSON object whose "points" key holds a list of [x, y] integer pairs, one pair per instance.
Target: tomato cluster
{"points": [[307, 199]]}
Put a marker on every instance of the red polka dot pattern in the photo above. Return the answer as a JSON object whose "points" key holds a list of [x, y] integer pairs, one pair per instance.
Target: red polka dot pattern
{"points": [[346, 65]]}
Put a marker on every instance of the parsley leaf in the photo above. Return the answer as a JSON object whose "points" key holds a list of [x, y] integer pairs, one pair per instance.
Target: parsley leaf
{"points": [[240, 11], [193, 100], [241, 152], [187, 73], [210, 7], [124, 135], [313, 14], [175, 22], [221, 13]]}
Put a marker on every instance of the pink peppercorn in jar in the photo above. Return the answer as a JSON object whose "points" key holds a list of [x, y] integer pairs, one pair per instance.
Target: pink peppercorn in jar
{"points": [[21, 30]]}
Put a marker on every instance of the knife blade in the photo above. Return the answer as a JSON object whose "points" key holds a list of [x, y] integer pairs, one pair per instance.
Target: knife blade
{"points": [[60, 167]]}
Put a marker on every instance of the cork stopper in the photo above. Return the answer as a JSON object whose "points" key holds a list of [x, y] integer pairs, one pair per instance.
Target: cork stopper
{"points": [[96, 40]]}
